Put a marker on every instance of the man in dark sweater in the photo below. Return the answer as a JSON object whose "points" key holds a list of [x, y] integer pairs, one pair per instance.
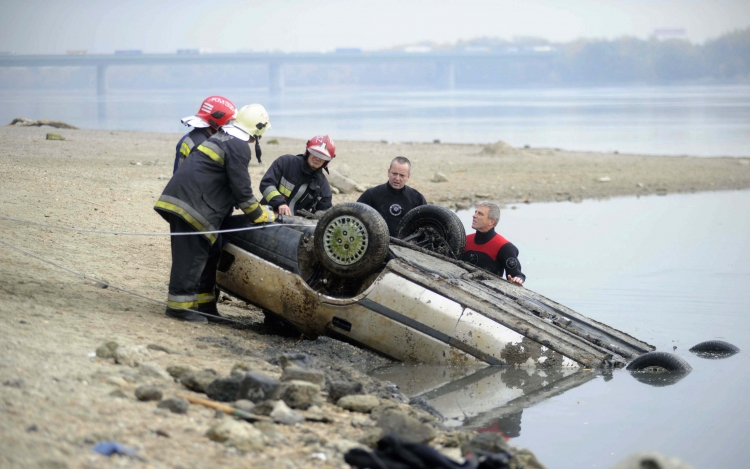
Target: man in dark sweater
{"points": [[489, 250], [394, 198]]}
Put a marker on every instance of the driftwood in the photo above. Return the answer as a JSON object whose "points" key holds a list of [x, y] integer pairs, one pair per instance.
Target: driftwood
{"points": [[38, 123]]}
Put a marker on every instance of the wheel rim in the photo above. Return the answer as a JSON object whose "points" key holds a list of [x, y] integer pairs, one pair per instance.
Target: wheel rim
{"points": [[345, 240]]}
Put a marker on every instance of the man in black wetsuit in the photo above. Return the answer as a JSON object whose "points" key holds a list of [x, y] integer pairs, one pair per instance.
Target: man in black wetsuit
{"points": [[489, 250], [394, 198]]}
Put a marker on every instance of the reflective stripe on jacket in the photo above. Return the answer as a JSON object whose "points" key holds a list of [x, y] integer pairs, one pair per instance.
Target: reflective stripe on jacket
{"points": [[186, 145], [209, 184], [290, 181]]}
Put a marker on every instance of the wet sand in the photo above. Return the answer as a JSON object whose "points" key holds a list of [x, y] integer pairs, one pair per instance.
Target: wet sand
{"points": [[56, 399]]}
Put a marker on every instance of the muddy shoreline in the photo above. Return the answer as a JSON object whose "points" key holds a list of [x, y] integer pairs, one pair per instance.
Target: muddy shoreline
{"points": [[58, 398]]}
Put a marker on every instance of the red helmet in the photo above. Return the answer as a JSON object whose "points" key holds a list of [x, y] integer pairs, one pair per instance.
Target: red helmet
{"points": [[322, 147], [215, 112]]}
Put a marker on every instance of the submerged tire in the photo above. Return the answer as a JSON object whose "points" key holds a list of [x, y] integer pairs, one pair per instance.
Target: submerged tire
{"points": [[668, 361], [435, 221], [351, 240], [715, 346]]}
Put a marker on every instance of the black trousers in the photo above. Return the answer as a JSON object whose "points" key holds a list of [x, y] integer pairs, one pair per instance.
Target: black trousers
{"points": [[192, 280]]}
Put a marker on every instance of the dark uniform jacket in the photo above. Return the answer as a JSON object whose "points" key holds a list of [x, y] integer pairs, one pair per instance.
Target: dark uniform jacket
{"points": [[392, 204], [492, 252], [290, 181], [211, 182], [186, 144]]}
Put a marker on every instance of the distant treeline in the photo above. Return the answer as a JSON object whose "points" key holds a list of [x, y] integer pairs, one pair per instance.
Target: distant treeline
{"points": [[583, 62]]}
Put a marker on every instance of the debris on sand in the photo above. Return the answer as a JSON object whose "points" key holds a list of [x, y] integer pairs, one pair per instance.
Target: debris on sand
{"points": [[498, 148], [52, 136], [38, 123]]}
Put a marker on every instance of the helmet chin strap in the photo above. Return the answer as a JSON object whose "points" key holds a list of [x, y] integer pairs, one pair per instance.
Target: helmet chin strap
{"points": [[258, 152]]}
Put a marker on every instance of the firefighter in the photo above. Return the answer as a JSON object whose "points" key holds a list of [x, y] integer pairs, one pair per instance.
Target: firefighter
{"points": [[297, 182], [489, 250], [215, 112], [211, 181]]}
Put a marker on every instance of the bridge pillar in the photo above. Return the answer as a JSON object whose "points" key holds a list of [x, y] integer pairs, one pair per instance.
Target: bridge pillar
{"points": [[101, 91], [446, 74], [275, 77]]}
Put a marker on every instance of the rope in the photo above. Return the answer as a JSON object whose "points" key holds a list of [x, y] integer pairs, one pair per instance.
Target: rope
{"points": [[114, 287], [130, 233]]}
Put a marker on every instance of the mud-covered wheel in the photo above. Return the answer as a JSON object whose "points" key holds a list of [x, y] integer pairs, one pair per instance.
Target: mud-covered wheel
{"points": [[715, 349], [434, 228], [351, 240], [659, 361]]}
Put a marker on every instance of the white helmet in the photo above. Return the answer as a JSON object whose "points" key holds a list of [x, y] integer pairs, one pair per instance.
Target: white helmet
{"points": [[251, 121]]}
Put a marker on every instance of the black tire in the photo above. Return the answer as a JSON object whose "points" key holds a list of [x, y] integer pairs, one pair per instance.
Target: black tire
{"points": [[667, 361], [351, 240], [715, 346], [435, 221]]}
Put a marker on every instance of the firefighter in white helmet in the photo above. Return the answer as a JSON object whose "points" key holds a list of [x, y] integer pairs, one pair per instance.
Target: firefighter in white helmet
{"points": [[211, 181]]}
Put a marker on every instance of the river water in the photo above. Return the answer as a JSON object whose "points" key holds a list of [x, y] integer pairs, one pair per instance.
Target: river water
{"points": [[673, 271], [669, 120]]}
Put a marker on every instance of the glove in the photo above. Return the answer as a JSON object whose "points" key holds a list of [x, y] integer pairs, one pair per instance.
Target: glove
{"points": [[266, 217]]}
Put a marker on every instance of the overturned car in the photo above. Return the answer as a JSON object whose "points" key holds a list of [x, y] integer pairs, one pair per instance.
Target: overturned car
{"points": [[408, 297]]}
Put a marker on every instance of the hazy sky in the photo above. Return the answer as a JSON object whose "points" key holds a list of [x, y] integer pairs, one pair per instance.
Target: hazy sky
{"points": [[44, 26]]}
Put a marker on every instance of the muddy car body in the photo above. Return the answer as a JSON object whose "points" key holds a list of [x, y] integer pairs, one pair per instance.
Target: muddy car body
{"points": [[413, 305]]}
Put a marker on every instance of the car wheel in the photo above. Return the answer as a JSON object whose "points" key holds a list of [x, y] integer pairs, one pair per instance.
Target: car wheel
{"points": [[434, 228], [653, 361], [715, 349], [351, 240]]}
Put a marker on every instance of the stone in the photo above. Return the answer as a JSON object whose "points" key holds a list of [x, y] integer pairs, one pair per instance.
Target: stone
{"points": [[148, 393], [300, 394], [335, 190], [315, 414], [236, 433], [132, 355], [225, 389], [264, 407], [498, 148], [159, 348], [119, 393], [244, 405], [339, 389], [439, 177], [176, 405], [14, 383], [341, 182], [176, 371], [299, 359], [117, 381], [294, 372], [281, 413], [489, 442], [362, 421], [359, 403], [257, 386], [343, 446], [107, 350], [198, 381], [153, 370], [604, 179], [371, 437], [398, 421]]}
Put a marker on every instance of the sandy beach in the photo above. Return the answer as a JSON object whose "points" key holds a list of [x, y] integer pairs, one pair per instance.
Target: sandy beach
{"points": [[58, 398]]}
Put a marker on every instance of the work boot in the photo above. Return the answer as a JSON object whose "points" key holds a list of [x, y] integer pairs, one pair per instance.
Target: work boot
{"points": [[186, 315], [211, 313]]}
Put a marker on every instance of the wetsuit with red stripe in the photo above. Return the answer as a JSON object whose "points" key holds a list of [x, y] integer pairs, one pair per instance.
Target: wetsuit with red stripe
{"points": [[492, 252]]}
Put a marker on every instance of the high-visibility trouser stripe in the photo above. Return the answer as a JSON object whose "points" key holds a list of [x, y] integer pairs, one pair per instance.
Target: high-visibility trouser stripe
{"points": [[252, 209], [176, 206], [182, 301], [204, 298], [271, 194], [285, 187], [212, 151]]}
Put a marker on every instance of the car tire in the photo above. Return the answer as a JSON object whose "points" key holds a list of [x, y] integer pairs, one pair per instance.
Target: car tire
{"points": [[668, 361], [351, 240], [715, 346], [438, 221]]}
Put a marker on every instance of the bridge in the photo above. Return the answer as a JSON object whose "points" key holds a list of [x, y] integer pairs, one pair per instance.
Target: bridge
{"points": [[446, 61]]}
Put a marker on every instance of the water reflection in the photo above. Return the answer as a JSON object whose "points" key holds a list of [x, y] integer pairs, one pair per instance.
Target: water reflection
{"points": [[483, 398]]}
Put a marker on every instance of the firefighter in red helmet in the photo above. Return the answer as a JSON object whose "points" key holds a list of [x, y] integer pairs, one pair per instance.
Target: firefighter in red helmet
{"points": [[297, 182], [215, 112]]}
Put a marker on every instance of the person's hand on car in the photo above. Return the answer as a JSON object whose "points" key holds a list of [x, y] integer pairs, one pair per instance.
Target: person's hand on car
{"points": [[284, 210], [516, 280]]}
